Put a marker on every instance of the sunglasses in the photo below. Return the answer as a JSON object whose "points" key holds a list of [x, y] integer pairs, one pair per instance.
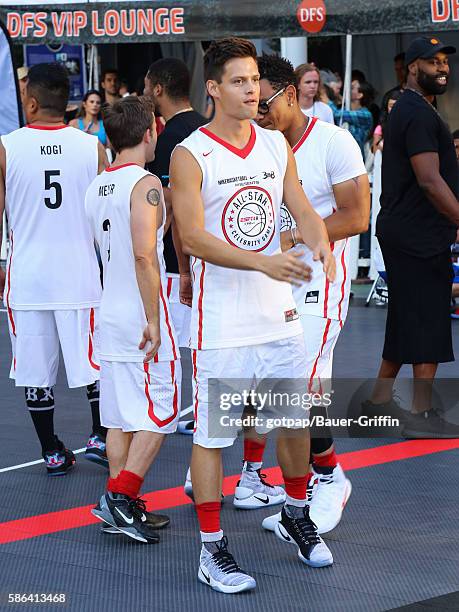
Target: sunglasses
{"points": [[263, 107]]}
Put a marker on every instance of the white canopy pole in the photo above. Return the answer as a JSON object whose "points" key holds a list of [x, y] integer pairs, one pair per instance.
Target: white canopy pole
{"points": [[295, 49]]}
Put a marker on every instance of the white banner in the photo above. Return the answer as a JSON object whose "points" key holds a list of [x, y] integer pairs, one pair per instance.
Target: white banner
{"points": [[9, 106]]}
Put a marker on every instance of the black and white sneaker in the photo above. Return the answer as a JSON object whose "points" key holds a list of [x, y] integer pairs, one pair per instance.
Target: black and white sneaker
{"points": [[302, 532], [220, 571], [156, 521], [127, 515]]}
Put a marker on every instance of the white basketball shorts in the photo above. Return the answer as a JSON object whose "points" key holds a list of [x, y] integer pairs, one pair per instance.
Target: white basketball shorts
{"points": [[140, 396], [320, 337], [35, 339], [180, 313], [280, 359]]}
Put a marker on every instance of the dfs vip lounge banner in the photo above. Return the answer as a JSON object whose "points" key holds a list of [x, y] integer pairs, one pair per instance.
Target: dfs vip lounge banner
{"points": [[186, 20], [10, 115]]}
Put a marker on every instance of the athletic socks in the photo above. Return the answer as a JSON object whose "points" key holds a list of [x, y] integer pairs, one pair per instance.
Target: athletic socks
{"points": [[325, 464], [92, 392], [40, 402], [209, 521], [126, 483], [253, 454], [296, 489]]}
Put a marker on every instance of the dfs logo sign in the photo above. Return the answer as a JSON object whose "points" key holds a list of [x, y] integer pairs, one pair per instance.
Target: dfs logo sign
{"points": [[312, 15]]}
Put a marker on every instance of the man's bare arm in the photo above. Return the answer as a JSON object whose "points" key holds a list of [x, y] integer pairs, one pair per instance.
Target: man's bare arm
{"points": [[145, 207], [102, 161], [311, 227], [426, 167], [188, 209]]}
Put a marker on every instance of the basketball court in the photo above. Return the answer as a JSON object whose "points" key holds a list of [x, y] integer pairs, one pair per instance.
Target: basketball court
{"points": [[396, 545]]}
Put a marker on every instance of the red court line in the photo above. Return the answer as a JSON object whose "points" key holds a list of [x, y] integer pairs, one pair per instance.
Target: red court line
{"points": [[54, 522]]}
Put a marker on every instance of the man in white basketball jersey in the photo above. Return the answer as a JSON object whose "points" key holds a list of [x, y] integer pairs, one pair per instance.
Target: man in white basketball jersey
{"points": [[228, 181], [52, 290], [139, 356], [333, 176]]}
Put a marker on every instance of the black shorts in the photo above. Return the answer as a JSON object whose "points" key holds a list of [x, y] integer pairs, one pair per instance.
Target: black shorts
{"points": [[418, 326]]}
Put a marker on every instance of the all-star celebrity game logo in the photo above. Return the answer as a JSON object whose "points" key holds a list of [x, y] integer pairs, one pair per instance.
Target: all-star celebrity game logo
{"points": [[248, 219]]}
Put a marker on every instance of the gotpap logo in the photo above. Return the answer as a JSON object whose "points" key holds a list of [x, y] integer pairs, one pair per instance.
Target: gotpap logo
{"points": [[248, 219], [286, 221]]}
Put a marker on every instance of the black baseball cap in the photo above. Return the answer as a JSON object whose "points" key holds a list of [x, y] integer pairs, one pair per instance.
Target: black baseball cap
{"points": [[426, 47]]}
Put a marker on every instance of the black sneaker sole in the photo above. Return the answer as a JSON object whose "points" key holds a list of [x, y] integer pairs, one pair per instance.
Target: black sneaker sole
{"points": [[95, 458]]}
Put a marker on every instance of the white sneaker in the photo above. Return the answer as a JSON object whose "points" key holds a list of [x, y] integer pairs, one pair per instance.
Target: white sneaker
{"points": [[188, 487], [269, 523], [329, 499], [221, 572], [253, 491]]}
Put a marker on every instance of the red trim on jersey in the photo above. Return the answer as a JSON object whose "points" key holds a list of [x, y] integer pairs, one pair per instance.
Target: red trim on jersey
{"points": [[91, 336], [166, 315], [195, 376], [307, 131], [327, 287], [244, 152], [14, 364], [113, 168], [324, 340], [10, 312], [343, 263], [151, 406], [201, 295], [169, 287], [33, 126]]}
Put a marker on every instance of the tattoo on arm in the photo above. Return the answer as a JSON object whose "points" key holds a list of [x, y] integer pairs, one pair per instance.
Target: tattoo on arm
{"points": [[153, 197]]}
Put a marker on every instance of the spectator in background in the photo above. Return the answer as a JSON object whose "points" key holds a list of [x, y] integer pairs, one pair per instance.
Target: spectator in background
{"points": [[124, 89], [309, 87], [22, 73], [358, 75], [400, 73], [332, 85], [359, 119], [378, 134], [168, 84], [456, 143], [89, 118], [111, 85]]}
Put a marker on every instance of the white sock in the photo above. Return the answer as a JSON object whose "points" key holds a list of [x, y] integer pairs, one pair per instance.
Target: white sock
{"points": [[211, 537], [252, 466], [292, 501]]}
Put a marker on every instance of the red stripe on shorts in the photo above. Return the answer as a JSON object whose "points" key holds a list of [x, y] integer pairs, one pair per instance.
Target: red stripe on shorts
{"points": [[166, 316], [201, 295], [10, 312], [91, 335], [324, 340], [195, 376], [169, 287], [343, 263], [151, 406], [327, 286]]}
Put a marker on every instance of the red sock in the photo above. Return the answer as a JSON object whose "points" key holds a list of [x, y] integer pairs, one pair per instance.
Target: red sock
{"points": [[127, 483], [209, 516], [330, 460], [296, 487], [253, 450]]}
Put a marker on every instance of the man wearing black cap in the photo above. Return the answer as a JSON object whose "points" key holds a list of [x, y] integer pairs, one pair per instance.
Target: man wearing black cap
{"points": [[416, 226]]}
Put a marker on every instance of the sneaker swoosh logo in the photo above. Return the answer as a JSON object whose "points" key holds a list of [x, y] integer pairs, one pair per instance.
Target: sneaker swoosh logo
{"points": [[206, 154], [263, 501], [287, 538], [205, 576], [124, 517]]}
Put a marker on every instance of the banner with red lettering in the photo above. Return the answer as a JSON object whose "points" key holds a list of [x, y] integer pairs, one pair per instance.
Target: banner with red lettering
{"points": [[132, 21]]}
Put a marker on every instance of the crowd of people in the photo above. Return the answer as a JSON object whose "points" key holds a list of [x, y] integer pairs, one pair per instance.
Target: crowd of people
{"points": [[250, 212]]}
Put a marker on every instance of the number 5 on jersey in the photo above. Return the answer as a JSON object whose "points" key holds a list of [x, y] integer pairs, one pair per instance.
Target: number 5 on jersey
{"points": [[50, 184]]}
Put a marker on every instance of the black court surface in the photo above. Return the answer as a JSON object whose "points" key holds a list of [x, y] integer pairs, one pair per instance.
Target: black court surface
{"points": [[397, 545]]}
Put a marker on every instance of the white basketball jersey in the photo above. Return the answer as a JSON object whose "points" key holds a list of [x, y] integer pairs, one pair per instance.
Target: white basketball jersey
{"points": [[325, 156], [242, 194], [122, 314], [52, 262]]}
